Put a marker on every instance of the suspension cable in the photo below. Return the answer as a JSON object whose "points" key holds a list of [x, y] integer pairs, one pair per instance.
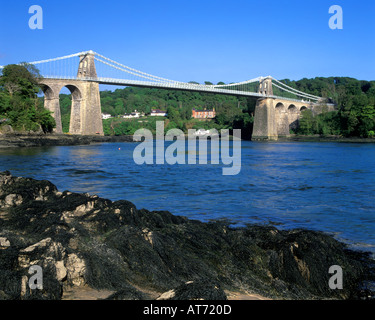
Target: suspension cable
{"points": [[237, 83], [300, 95], [137, 73], [290, 88], [60, 58], [127, 71], [135, 70]]}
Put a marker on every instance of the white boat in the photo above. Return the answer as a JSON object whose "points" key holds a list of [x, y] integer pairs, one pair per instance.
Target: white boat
{"points": [[201, 132]]}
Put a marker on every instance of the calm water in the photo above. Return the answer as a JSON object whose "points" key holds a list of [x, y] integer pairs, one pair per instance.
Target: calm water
{"points": [[321, 186]]}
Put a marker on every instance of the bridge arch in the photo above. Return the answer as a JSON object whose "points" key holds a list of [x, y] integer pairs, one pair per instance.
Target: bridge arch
{"points": [[292, 108], [85, 114], [293, 115], [76, 108], [303, 108], [52, 103], [282, 120], [280, 107], [49, 93], [52, 90]]}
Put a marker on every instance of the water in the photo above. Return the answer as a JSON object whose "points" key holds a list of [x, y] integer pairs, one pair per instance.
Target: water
{"points": [[320, 186]]}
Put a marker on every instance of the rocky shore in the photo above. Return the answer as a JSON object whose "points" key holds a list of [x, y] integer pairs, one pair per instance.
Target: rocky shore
{"points": [[84, 241], [42, 140]]}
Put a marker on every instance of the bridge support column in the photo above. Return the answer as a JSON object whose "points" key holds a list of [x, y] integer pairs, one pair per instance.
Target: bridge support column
{"points": [[265, 125], [90, 112], [75, 117], [53, 105], [91, 115], [86, 114]]}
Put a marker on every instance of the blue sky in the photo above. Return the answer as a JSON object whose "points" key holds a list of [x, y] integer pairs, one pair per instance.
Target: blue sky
{"points": [[201, 40]]}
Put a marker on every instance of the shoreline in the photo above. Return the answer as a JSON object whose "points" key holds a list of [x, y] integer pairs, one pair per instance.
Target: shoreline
{"points": [[40, 140]]}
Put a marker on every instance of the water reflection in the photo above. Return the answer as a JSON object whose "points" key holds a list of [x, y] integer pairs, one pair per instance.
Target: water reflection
{"points": [[26, 151]]}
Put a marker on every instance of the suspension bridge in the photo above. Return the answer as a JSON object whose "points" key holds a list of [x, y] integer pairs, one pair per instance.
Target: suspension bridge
{"points": [[278, 106]]}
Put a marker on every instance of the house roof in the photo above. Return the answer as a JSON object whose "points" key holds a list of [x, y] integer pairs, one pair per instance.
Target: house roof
{"points": [[197, 110]]}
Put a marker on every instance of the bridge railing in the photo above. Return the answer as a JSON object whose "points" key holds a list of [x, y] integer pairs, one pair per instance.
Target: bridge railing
{"points": [[176, 86]]}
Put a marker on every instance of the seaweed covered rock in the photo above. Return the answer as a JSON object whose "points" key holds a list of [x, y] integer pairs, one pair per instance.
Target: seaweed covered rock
{"points": [[195, 290], [83, 240], [128, 292]]}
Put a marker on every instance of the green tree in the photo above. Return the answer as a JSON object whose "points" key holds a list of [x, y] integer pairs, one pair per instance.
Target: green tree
{"points": [[19, 101], [307, 123], [367, 121], [173, 114], [119, 107]]}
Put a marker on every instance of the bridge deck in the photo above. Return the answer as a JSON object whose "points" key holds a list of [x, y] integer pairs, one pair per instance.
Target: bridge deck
{"points": [[177, 86]]}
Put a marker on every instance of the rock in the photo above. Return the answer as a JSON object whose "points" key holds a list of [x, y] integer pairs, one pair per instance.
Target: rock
{"points": [[12, 200], [26, 256], [61, 271], [3, 295], [39, 245], [76, 269], [4, 243], [367, 291], [128, 293], [83, 240], [169, 295], [195, 290], [6, 129]]}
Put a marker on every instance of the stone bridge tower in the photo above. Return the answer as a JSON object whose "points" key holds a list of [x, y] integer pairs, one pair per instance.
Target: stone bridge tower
{"points": [[86, 115], [276, 117], [86, 68], [265, 86], [265, 127]]}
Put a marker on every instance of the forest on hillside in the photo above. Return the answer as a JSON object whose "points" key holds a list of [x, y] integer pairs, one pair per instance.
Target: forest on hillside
{"points": [[355, 114]]}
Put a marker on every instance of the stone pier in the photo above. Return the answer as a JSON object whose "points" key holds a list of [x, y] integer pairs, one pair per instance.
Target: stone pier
{"points": [[85, 117]]}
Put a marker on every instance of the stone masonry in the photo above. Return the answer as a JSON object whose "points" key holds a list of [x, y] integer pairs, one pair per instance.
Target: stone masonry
{"points": [[85, 116]]}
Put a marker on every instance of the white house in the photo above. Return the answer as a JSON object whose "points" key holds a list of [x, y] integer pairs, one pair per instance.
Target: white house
{"points": [[158, 113], [134, 114], [106, 116]]}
